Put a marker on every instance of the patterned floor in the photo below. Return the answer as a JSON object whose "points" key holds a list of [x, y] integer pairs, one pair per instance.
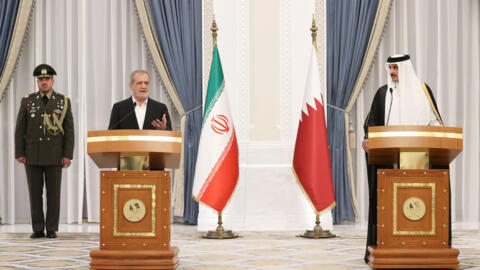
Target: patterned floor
{"points": [[253, 250]]}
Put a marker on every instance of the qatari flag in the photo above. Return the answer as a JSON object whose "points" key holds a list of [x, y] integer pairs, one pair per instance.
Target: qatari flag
{"points": [[311, 160]]}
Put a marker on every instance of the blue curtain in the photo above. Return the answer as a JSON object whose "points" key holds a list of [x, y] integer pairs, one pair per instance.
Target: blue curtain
{"points": [[178, 28], [349, 23], [8, 15]]}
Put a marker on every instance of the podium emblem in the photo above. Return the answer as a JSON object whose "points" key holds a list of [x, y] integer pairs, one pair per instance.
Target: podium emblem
{"points": [[134, 210], [414, 208]]}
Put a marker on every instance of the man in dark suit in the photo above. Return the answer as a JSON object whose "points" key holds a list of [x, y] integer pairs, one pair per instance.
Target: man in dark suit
{"points": [[44, 142], [139, 111]]}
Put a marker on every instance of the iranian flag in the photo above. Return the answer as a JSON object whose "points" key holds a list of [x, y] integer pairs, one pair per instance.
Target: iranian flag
{"points": [[311, 160], [216, 172]]}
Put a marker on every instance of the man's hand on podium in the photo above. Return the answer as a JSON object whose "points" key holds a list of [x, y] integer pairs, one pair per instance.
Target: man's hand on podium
{"points": [[365, 145]]}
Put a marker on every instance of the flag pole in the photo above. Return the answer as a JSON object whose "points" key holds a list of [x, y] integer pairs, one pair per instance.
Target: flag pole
{"points": [[314, 32], [317, 232], [214, 30], [220, 232]]}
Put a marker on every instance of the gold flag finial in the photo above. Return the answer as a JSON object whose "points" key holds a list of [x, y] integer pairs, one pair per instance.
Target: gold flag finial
{"points": [[314, 30], [214, 29]]}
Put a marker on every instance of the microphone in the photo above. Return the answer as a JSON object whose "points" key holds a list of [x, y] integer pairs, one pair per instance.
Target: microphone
{"points": [[390, 109], [123, 118]]}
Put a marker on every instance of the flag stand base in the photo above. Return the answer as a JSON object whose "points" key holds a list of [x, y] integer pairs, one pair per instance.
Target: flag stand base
{"points": [[317, 232], [220, 232]]}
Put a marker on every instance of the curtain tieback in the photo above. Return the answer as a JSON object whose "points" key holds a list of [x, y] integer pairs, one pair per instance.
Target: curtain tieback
{"points": [[194, 109], [336, 108]]}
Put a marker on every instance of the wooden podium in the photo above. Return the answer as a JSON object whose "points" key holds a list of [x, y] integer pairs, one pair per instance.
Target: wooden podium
{"points": [[413, 201], [135, 204]]}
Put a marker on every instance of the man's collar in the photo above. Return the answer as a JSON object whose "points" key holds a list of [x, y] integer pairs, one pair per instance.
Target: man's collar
{"points": [[49, 94], [136, 102]]}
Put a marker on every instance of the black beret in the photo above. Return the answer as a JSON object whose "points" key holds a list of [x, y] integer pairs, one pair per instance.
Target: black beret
{"points": [[44, 70]]}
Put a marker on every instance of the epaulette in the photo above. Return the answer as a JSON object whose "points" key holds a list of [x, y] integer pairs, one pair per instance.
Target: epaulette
{"points": [[60, 94]]}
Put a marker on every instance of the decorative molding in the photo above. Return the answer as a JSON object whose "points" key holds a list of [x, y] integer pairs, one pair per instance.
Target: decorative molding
{"points": [[286, 133], [206, 43], [243, 63], [321, 20]]}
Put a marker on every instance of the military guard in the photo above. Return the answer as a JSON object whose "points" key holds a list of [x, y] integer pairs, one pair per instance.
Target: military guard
{"points": [[44, 140]]}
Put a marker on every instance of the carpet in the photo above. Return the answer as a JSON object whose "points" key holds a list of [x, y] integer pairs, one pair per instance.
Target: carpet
{"points": [[253, 250]]}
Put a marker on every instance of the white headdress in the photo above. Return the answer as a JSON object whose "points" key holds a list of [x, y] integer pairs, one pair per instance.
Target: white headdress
{"points": [[410, 105]]}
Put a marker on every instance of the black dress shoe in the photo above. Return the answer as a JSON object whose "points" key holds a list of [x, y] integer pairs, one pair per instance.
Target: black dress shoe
{"points": [[37, 235], [51, 234]]}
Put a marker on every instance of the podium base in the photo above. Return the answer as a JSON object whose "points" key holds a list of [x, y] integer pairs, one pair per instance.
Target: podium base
{"points": [[134, 259], [413, 258]]}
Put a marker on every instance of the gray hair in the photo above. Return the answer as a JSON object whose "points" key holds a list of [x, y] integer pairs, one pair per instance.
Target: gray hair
{"points": [[138, 71]]}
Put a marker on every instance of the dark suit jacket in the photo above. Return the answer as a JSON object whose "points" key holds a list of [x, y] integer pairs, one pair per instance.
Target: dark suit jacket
{"points": [[123, 115]]}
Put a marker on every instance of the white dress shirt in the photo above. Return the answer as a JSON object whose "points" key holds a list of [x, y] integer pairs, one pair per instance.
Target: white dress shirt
{"points": [[140, 112]]}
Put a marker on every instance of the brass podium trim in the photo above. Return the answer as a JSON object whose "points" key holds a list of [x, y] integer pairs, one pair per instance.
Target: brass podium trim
{"points": [[134, 138], [115, 208], [414, 160], [386, 134], [134, 161], [395, 187]]}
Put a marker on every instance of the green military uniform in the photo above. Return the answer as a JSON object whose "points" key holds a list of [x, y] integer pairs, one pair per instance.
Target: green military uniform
{"points": [[44, 134]]}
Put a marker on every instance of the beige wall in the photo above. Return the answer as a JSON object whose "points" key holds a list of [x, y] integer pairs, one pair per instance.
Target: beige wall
{"points": [[264, 70], [265, 48]]}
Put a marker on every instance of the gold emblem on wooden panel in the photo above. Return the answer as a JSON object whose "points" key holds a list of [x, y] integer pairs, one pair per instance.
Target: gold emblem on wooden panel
{"points": [[134, 210], [116, 187], [414, 208], [395, 201]]}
